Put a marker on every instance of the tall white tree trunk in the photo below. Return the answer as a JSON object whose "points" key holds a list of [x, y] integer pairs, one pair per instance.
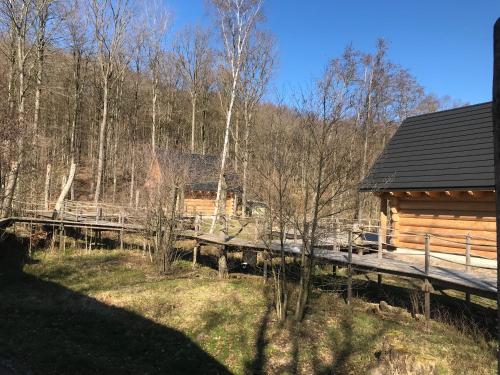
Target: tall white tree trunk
{"points": [[155, 98], [48, 177], [10, 187], [246, 157], [102, 140], [65, 190], [225, 151], [193, 121]]}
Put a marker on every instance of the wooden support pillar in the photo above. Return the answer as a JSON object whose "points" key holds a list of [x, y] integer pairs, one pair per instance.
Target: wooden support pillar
{"points": [[427, 285], [52, 240], [349, 270], [467, 252], [86, 239], [196, 249], [121, 231], [90, 240], [336, 242], [265, 270], [223, 270], [62, 240], [381, 235], [467, 262], [383, 219], [30, 239]]}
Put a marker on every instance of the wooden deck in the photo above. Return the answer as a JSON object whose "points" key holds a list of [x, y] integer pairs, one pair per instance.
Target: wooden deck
{"points": [[449, 278], [438, 276], [90, 224]]}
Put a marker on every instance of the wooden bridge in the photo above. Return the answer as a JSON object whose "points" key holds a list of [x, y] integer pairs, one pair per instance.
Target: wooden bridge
{"points": [[342, 250]]}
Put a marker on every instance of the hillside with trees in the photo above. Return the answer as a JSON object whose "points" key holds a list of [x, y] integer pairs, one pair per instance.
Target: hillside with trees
{"points": [[92, 87]]}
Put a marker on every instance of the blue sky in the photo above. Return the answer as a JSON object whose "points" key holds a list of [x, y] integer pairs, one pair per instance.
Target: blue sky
{"points": [[446, 44]]}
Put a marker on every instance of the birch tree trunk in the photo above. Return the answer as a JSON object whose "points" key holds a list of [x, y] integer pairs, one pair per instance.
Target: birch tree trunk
{"points": [[102, 141], [193, 122], [246, 157], [65, 190], [225, 151], [48, 177], [155, 98]]}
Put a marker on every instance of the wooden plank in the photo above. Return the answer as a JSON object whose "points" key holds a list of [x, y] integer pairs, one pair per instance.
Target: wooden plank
{"points": [[452, 215], [450, 223], [489, 254], [439, 206], [483, 237]]}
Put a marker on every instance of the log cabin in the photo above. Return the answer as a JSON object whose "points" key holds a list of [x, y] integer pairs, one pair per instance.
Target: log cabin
{"points": [[436, 176], [201, 174]]}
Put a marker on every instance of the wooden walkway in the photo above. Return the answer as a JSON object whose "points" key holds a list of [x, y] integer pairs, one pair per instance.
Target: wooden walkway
{"points": [[90, 224], [449, 278], [468, 282]]}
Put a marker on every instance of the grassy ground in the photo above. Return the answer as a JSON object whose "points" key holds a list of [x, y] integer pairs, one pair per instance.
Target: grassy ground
{"points": [[108, 312]]}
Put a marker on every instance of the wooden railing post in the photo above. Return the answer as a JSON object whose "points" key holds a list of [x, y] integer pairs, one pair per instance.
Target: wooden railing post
{"points": [[467, 261], [379, 254], [427, 253], [427, 285], [120, 219], [337, 235], [349, 269], [467, 252]]}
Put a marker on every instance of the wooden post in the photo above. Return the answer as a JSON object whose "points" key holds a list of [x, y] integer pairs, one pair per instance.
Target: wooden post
{"points": [[264, 274], [496, 147], [195, 253], [61, 239], [90, 240], [467, 252], [223, 271], [427, 286], [86, 244], [380, 239], [30, 239], [336, 246], [120, 218], [349, 269]]}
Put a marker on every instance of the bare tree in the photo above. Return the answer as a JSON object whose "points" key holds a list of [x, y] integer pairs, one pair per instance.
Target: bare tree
{"points": [[237, 20], [20, 15], [194, 59], [277, 169], [255, 75], [109, 19], [327, 167], [156, 18]]}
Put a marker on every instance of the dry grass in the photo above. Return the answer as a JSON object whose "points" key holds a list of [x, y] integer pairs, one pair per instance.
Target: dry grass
{"points": [[107, 312]]}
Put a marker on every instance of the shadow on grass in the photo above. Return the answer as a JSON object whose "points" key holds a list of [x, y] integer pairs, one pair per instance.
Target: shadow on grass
{"points": [[53, 330], [445, 308], [257, 365]]}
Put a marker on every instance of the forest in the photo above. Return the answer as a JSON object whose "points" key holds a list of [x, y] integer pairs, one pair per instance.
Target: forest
{"points": [[93, 87]]}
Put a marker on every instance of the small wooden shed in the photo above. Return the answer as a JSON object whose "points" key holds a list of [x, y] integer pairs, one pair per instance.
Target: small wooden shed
{"points": [[436, 176], [200, 189]]}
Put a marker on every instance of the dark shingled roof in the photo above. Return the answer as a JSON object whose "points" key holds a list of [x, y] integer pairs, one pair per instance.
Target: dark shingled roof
{"points": [[448, 150], [203, 170]]}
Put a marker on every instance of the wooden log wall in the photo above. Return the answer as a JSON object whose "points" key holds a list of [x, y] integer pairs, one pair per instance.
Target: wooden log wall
{"points": [[449, 217], [204, 205]]}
